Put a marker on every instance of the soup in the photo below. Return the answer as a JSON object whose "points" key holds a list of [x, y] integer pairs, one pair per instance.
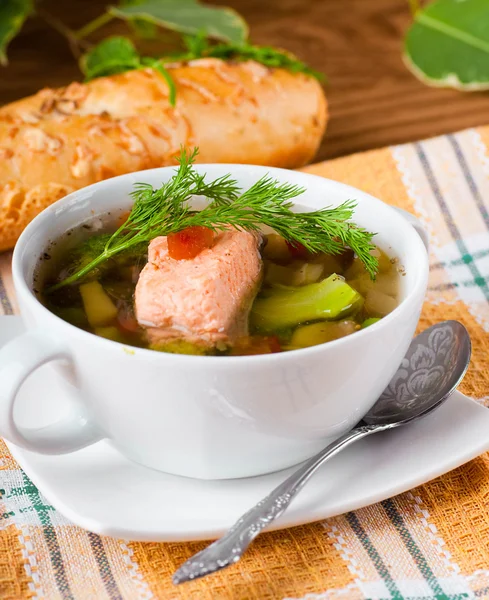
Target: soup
{"points": [[227, 293]]}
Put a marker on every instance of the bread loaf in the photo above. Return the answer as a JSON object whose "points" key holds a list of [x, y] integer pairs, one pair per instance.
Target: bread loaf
{"points": [[61, 140]]}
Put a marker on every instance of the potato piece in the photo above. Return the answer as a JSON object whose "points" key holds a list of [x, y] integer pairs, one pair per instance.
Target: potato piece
{"points": [[387, 284], [99, 308], [276, 249], [345, 258], [305, 273], [378, 304], [319, 333], [110, 333], [385, 264], [363, 283], [331, 264], [297, 273], [277, 274], [356, 269]]}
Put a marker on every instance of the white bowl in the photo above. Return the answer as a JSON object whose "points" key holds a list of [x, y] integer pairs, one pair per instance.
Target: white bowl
{"points": [[201, 416]]}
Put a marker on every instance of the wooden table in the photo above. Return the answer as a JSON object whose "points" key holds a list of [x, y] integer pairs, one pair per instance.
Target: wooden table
{"points": [[374, 99]]}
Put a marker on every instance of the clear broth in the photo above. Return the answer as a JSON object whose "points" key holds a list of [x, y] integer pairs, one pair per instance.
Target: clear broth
{"points": [[283, 266]]}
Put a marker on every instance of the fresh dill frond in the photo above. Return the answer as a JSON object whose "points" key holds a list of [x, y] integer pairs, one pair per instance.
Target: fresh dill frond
{"points": [[155, 211], [268, 202], [166, 210]]}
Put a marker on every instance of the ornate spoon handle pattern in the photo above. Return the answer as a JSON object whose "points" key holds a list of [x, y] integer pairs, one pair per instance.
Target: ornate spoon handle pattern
{"points": [[230, 547], [434, 365]]}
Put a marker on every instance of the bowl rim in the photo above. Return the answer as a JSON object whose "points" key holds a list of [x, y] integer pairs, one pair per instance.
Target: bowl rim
{"points": [[22, 287]]}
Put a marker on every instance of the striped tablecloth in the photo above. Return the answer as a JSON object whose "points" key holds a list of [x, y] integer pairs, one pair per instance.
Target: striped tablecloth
{"points": [[430, 543]]}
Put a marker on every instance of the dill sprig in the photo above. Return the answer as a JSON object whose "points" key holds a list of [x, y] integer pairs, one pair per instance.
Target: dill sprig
{"points": [[269, 203], [155, 212], [158, 212]]}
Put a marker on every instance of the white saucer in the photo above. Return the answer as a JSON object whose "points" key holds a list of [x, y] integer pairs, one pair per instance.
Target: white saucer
{"points": [[96, 488]]}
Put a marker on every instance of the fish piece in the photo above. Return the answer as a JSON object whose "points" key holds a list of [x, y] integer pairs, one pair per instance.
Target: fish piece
{"points": [[205, 300]]}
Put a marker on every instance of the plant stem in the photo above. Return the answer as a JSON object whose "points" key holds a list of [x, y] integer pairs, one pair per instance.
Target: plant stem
{"points": [[79, 274], [66, 32], [92, 26], [414, 6]]}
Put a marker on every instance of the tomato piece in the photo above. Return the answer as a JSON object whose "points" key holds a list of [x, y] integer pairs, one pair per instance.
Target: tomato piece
{"points": [[190, 242], [297, 250], [274, 344], [127, 322], [256, 344]]}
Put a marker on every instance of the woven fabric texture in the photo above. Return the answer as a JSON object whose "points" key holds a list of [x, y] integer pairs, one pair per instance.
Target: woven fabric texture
{"points": [[429, 543]]}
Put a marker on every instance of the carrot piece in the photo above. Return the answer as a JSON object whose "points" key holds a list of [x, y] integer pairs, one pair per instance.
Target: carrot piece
{"points": [[190, 242], [297, 250], [274, 344], [256, 344]]}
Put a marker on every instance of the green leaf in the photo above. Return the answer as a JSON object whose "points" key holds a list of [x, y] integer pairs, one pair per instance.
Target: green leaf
{"points": [[13, 13], [111, 56], [144, 29], [188, 16], [266, 55], [448, 44], [197, 46], [117, 55]]}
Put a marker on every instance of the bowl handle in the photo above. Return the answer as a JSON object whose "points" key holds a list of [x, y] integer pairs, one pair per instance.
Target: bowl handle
{"points": [[416, 223], [18, 359]]}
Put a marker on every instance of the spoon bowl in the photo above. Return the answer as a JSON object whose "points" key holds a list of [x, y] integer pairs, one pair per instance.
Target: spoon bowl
{"points": [[434, 365]]}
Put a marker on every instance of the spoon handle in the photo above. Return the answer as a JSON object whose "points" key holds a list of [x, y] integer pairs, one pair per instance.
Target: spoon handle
{"points": [[229, 549]]}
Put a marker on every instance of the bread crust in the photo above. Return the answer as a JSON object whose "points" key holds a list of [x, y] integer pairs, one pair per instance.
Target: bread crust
{"points": [[61, 140]]}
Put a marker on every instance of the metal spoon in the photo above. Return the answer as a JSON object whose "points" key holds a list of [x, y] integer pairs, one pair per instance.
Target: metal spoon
{"points": [[434, 365]]}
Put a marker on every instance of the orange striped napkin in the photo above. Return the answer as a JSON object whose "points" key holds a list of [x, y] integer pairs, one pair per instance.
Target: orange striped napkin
{"points": [[430, 543]]}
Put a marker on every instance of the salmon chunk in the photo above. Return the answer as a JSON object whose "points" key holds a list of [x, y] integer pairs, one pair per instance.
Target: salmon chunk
{"points": [[204, 300]]}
